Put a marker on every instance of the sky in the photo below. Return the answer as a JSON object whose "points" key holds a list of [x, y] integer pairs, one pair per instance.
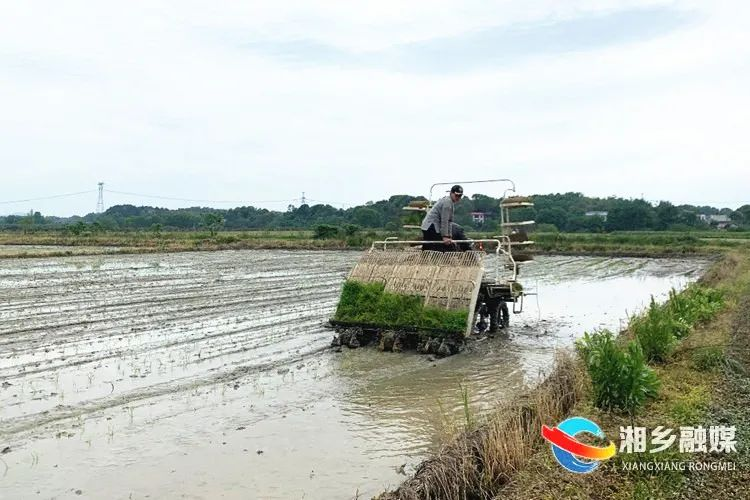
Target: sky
{"points": [[253, 103]]}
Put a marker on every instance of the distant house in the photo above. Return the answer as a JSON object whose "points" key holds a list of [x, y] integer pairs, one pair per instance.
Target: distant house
{"points": [[601, 215], [714, 218], [478, 217], [720, 221]]}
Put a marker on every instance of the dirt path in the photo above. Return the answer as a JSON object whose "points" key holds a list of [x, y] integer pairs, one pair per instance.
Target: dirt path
{"points": [[730, 406]]}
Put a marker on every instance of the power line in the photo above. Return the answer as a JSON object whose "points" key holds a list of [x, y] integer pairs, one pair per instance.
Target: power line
{"points": [[195, 200], [715, 204], [48, 197], [332, 203]]}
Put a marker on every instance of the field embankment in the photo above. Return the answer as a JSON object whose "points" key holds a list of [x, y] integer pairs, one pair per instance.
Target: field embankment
{"points": [[60, 244], [624, 244], [641, 243]]}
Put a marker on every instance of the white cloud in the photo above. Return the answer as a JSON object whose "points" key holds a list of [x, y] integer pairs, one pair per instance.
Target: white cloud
{"points": [[163, 98]]}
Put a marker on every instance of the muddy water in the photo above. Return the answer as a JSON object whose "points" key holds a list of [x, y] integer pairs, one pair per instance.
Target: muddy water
{"points": [[206, 375]]}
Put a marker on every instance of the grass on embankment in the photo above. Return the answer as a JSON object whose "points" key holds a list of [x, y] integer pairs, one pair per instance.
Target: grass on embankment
{"points": [[639, 243], [149, 242], [646, 244]]}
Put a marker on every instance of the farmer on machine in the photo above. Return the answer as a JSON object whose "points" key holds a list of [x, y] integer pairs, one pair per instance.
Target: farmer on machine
{"points": [[437, 224]]}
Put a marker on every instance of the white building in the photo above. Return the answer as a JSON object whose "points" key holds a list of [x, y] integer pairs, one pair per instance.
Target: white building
{"points": [[478, 217], [601, 215]]}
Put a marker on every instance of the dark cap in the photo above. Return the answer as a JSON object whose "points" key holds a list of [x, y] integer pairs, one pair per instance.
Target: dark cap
{"points": [[457, 189]]}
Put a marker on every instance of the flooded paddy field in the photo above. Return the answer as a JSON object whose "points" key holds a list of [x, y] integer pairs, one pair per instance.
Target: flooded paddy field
{"points": [[208, 375]]}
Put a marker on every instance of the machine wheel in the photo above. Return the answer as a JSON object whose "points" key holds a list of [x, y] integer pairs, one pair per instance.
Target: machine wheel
{"points": [[504, 314], [491, 315], [480, 318], [499, 315]]}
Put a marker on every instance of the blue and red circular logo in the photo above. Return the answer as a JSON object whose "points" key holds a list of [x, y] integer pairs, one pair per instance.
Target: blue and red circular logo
{"points": [[569, 451]]}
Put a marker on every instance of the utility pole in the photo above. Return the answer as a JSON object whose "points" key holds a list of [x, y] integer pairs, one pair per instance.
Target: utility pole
{"points": [[100, 201]]}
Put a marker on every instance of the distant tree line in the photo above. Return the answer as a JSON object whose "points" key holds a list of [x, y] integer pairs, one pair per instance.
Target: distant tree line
{"points": [[563, 212]]}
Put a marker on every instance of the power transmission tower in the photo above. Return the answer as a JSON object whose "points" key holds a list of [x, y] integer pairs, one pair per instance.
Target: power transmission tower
{"points": [[304, 201], [100, 201]]}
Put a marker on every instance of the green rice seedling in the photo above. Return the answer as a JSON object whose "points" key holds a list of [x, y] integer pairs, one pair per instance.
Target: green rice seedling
{"points": [[370, 304], [619, 376], [434, 318]]}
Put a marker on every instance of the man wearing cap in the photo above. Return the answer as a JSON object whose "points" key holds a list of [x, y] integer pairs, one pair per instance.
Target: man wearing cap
{"points": [[436, 225]]}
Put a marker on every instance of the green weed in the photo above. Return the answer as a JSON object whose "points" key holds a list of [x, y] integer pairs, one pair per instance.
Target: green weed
{"points": [[619, 376], [656, 331], [661, 326], [709, 359]]}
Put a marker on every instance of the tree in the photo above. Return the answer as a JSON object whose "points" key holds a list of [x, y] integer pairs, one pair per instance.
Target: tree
{"points": [[27, 223], [78, 228], [124, 211], [108, 222], [666, 215], [566, 210], [399, 201], [303, 212], [587, 223], [556, 216], [213, 222], [630, 215], [486, 204], [324, 232], [366, 217], [351, 229], [687, 217], [745, 211], [181, 220]]}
